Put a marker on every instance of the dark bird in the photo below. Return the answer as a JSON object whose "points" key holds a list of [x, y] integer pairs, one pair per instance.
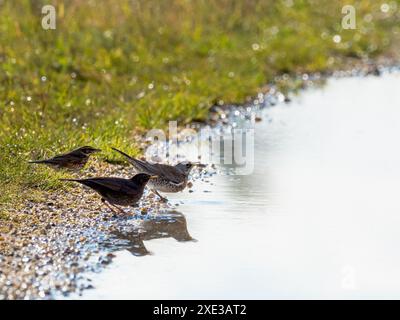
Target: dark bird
{"points": [[73, 160], [169, 178], [117, 191]]}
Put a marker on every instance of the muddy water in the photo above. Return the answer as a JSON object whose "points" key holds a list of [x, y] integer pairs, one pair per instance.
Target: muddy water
{"points": [[318, 218]]}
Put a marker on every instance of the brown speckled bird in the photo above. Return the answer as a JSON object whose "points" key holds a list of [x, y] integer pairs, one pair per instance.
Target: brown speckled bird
{"points": [[74, 160], [170, 178], [117, 191]]}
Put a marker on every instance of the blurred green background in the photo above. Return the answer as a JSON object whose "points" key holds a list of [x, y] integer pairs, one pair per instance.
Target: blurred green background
{"points": [[114, 68]]}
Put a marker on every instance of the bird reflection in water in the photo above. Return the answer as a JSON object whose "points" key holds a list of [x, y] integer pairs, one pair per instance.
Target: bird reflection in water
{"points": [[171, 224]]}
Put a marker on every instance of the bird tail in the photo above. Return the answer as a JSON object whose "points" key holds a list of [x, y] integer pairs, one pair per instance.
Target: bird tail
{"points": [[37, 161], [135, 162], [74, 180], [86, 182], [123, 153]]}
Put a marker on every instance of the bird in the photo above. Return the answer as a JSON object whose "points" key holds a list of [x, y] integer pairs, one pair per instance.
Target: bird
{"points": [[117, 191], [74, 160], [172, 225], [169, 178]]}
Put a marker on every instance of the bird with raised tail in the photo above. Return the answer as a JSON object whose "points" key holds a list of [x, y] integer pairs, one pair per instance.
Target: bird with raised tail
{"points": [[74, 160], [117, 191], [169, 178]]}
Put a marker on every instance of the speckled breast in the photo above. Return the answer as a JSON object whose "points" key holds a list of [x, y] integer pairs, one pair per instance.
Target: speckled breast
{"points": [[166, 186]]}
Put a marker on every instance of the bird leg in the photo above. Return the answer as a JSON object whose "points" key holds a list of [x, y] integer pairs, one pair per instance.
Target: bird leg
{"points": [[163, 199], [110, 206], [120, 210]]}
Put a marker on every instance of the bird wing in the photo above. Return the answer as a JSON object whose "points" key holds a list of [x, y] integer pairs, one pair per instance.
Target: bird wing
{"points": [[109, 184], [164, 171], [69, 157]]}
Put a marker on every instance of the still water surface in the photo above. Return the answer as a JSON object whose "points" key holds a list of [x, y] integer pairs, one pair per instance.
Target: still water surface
{"points": [[318, 218]]}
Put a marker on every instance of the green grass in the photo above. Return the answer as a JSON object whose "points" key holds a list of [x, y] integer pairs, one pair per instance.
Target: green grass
{"points": [[116, 68]]}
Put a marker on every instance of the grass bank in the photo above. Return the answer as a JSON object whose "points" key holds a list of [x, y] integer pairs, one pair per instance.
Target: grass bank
{"points": [[113, 69]]}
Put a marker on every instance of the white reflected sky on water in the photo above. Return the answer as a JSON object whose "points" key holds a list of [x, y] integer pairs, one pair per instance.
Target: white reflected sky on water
{"points": [[319, 217]]}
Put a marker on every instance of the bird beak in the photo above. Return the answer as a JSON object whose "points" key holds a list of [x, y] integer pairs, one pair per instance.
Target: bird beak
{"points": [[96, 150], [153, 177]]}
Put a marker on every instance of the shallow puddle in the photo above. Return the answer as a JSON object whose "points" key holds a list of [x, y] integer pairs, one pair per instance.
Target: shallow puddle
{"points": [[318, 218]]}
